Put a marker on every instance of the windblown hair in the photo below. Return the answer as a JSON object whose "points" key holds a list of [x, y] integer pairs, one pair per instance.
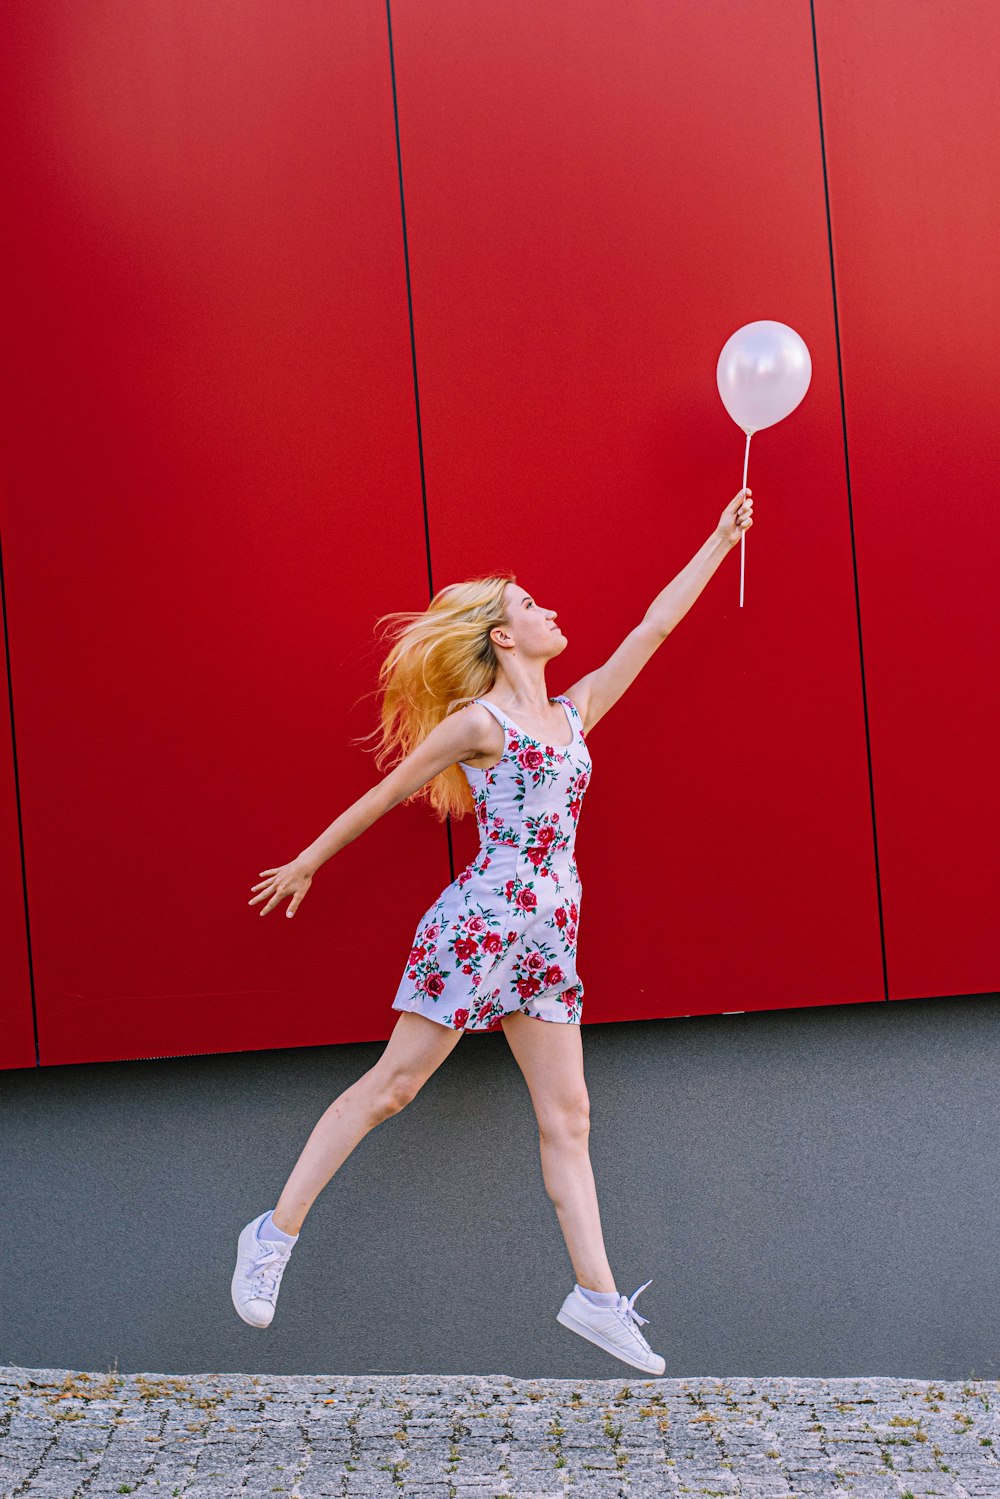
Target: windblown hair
{"points": [[441, 658]]}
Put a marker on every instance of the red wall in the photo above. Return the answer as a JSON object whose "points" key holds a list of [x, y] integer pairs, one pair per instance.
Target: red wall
{"points": [[913, 131], [215, 476]]}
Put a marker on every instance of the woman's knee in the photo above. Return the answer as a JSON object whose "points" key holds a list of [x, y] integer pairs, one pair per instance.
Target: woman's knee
{"points": [[388, 1093], [416, 1047], [567, 1125]]}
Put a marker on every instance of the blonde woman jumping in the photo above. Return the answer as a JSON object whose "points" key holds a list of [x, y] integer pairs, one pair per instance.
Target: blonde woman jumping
{"points": [[497, 949]]}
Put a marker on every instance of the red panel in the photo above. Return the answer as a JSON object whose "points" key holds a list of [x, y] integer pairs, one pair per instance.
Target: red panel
{"points": [[597, 197], [210, 492], [913, 144], [17, 1035]]}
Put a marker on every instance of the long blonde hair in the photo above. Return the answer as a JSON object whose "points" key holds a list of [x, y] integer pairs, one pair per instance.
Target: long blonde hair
{"points": [[442, 657]]}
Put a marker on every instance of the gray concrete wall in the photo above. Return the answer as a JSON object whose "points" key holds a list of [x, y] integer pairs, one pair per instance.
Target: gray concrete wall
{"points": [[814, 1192]]}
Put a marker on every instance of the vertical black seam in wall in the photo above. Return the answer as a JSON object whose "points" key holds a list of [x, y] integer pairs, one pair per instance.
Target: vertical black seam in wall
{"points": [[17, 804], [413, 356], [850, 504]]}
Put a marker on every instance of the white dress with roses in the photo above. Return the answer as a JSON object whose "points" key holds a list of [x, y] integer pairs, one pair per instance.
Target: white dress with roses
{"points": [[502, 936]]}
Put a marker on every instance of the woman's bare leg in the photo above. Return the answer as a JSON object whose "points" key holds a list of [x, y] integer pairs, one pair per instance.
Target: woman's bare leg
{"points": [[415, 1049], [550, 1055]]}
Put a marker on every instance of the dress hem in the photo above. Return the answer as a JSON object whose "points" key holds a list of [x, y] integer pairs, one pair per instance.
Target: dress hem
{"points": [[517, 1010]]}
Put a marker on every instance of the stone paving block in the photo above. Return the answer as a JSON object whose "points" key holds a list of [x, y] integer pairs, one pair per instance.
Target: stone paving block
{"points": [[928, 1486], [480, 1491], [817, 1485], [211, 1489], [656, 1487], [600, 1487], [872, 1486], [759, 1489], [529, 1465], [148, 1489]]}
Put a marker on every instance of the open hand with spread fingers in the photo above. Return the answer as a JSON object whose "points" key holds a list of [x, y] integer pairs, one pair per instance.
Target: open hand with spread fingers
{"points": [[291, 879]]}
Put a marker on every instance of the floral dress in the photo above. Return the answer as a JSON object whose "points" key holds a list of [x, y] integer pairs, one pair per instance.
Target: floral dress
{"points": [[502, 936]]}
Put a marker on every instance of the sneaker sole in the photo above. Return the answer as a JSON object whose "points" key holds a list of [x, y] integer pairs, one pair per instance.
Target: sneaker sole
{"points": [[568, 1320], [261, 1326]]}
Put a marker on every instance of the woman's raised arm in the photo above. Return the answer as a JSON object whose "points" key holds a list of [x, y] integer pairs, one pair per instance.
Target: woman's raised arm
{"points": [[600, 689]]}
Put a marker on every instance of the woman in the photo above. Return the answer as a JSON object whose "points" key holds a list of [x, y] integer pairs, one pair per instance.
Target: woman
{"points": [[498, 947]]}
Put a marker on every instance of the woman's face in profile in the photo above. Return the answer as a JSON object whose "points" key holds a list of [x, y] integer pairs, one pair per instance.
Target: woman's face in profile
{"points": [[534, 628]]}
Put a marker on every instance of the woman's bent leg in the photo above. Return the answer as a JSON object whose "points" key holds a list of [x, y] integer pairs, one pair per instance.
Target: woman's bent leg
{"points": [[415, 1049]]}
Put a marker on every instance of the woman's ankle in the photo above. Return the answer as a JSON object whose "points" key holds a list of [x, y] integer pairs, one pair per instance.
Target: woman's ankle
{"points": [[279, 1221]]}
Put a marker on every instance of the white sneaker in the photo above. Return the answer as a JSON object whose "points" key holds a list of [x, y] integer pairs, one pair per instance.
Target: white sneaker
{"points": [[259, 1268], [613, 1328]]}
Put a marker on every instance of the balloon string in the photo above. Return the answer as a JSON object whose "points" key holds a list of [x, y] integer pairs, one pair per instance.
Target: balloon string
{"points": [[743, 536]]}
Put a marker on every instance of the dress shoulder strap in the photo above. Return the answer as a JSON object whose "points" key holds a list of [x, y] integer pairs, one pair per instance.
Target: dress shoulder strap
{"points": [[500, 717]]}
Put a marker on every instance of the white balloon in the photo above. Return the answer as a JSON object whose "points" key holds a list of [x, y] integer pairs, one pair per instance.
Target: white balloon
{"points": [[763, 372]]}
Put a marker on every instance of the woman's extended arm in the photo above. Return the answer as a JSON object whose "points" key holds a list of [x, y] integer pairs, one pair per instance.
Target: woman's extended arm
{"points": [[450, 740], [457, 737]]}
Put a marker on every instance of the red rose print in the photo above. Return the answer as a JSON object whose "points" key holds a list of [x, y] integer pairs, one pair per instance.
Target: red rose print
{"points": [[511, 936], [434, 984], [476, 924], [560, 917], [417, 954], [460, 1017], [545, 836], [553, 976], [535, 961], [484, 1010], [492, 942], [526, 899], [465, 947], [530, 758], [527, 987]]}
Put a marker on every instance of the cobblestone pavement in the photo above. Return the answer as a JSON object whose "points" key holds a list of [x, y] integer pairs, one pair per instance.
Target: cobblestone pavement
{"points": [[65, 1434]]}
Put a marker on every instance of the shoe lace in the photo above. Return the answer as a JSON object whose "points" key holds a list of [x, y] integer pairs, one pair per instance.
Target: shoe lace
{"points": [[266, 1270], [628, 1313]]}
